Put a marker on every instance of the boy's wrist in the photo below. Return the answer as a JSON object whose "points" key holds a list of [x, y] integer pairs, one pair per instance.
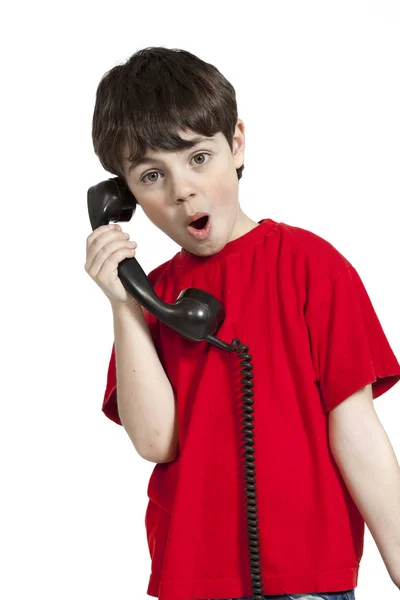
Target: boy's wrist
{"points": [[126, 307]]}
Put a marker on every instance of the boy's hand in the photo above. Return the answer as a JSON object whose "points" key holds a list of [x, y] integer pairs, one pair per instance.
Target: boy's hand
{"points": [[106, 247]]}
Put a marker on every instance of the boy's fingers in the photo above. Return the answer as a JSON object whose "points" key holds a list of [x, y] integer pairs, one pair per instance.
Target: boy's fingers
{"points": [[99, 230]]}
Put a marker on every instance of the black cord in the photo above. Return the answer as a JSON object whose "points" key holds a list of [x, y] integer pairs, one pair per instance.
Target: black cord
{"points": [[249, 469]]}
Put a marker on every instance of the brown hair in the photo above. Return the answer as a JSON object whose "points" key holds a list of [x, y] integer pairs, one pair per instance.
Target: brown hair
{"points": [[157, 91]]}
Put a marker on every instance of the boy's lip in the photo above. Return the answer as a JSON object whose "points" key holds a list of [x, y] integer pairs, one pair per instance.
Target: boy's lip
{"points": [[200, 234], [197, 215]]}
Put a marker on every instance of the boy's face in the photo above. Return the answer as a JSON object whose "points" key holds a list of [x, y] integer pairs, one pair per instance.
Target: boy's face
{"points": [[172, 186]]}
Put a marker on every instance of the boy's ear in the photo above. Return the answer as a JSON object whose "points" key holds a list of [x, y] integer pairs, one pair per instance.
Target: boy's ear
{"points": [[238, 145], [239, 137]]}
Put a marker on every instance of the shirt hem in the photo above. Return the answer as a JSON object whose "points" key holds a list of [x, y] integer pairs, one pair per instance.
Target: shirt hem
{"points": [[331, 581]]}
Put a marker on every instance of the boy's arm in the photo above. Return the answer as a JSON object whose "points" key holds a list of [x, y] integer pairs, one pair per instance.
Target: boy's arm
{"points": [[145, 398], [369, 467]]}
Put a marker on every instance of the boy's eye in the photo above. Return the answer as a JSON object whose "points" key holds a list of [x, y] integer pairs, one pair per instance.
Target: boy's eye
{"points": [[156, 172]]}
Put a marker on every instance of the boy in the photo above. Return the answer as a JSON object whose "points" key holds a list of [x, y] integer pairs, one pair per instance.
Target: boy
{"points": [[320, 357]]}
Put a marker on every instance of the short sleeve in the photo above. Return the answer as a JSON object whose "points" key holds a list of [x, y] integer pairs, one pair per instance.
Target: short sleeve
{"points": [[349, 348]]}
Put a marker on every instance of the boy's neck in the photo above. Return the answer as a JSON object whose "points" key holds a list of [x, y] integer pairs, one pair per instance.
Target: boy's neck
{"points": [[242, 226]]}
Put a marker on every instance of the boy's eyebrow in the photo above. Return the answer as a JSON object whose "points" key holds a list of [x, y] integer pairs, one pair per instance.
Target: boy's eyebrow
{"points": [[147, 158]]}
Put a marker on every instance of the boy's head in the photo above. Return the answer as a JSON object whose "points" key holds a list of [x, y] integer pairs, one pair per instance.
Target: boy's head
{"points": [[155, 105]]}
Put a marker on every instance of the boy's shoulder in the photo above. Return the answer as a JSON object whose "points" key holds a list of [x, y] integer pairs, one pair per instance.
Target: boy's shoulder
{"points": [[319, 253]]}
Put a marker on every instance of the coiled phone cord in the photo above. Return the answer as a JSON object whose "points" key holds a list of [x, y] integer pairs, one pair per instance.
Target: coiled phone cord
{"points": [[249, 468]]}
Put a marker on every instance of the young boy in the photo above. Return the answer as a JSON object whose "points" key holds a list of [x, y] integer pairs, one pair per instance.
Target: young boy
{"points": [[320, 357]]}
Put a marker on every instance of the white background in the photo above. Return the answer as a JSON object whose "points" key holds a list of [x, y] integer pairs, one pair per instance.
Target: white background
{"points": [[318, 89]]}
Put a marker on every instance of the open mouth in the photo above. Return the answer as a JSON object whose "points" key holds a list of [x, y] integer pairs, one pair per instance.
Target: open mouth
{"points": [[199, 223], [200, 228]]}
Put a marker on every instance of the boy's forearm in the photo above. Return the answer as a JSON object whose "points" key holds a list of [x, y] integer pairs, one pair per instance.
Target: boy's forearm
{"points": [[368, 464], [145, 398]]}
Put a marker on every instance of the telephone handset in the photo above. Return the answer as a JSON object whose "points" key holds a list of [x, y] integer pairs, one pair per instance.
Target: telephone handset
{"points": [[196, 315]]}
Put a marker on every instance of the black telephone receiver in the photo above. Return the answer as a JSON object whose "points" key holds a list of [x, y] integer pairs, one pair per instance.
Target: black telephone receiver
{"points": [[196, 315]]}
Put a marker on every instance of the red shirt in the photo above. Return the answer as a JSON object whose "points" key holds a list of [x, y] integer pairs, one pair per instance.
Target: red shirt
{"points": [[315, 339]]}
